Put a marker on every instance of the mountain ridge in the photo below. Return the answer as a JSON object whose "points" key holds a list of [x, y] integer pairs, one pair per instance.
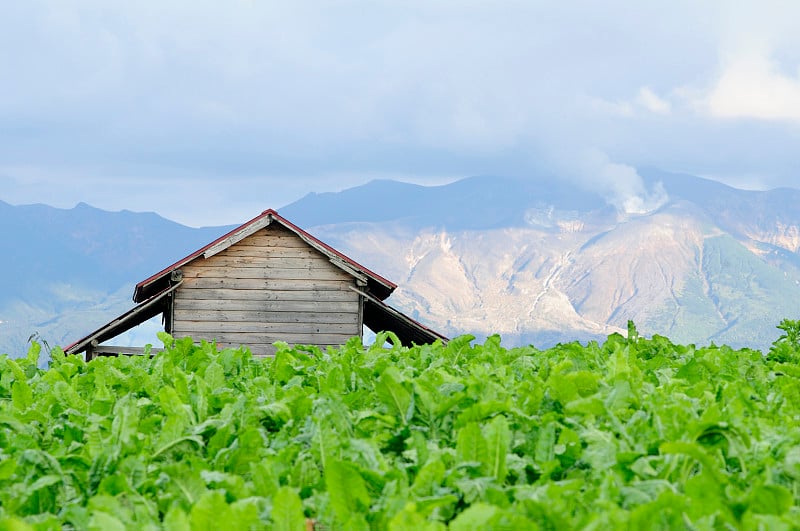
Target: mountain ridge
{"points": [[537, 260], [711, 263]]}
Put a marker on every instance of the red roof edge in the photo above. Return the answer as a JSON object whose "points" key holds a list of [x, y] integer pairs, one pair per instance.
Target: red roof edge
{"points": [[140, 287], [388, 283]]}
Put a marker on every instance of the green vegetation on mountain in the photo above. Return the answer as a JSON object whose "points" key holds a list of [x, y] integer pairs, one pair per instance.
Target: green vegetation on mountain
{"points": [[629, 433], [728, 298]]}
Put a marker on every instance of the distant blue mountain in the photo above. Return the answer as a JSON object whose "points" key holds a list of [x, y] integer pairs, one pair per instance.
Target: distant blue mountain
{"points": [[67, 271], [87, 247], [486, 202], [473, 203], [739, 211]]}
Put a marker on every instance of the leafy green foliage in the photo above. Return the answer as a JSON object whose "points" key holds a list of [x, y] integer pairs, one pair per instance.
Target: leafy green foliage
{"points": [[787, 346], [633, 433]]}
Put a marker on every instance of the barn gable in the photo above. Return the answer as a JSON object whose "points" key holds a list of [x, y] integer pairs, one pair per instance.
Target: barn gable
{"points": [[271, 286], [265, 281]]}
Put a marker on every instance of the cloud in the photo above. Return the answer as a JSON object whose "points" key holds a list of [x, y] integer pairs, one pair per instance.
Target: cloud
{"points": [[645, 100], [753, 86], [7, 182], [652, 102], [309, 96], [614, 108]]}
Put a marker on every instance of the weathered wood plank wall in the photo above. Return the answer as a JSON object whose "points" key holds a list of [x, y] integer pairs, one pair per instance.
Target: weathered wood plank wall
{"points": [[269, 287]]}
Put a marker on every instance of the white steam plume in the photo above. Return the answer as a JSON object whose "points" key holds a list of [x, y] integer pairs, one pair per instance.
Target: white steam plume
{"points": [[621, 185]]}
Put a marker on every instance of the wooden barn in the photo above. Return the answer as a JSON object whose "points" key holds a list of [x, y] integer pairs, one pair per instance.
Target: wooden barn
{"points": [[265, 281]]}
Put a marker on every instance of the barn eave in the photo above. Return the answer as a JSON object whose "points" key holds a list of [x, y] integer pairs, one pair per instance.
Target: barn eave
{"points": [[379, 316], [140, 313]]}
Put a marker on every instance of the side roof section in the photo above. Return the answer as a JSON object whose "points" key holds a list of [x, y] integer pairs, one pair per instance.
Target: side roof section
{"points": [[376, 284]]}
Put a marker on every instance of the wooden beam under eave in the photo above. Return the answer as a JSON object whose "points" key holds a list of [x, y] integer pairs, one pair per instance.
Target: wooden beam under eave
{"points": [[111, 350]]}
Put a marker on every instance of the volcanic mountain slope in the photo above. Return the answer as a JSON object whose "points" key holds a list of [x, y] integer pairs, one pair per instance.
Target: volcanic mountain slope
{"points": [[710, 264]]}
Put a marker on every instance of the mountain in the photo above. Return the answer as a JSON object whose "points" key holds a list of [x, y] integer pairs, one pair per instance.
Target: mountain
{"points": [[69, 271], [538, 260], [542, 261], [474, 203]]}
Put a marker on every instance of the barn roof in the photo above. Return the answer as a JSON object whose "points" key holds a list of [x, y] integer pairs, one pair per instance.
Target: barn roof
{"points": [[380, 316], [152, 293], [135, 316], [378, 286]]}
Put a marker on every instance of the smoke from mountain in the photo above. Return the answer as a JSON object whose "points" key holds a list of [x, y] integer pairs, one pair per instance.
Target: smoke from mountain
{"points": [[620, 184]]}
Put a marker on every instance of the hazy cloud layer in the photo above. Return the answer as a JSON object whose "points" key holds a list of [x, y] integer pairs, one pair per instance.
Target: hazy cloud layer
{"points": [[204, 110], [755, 87]]}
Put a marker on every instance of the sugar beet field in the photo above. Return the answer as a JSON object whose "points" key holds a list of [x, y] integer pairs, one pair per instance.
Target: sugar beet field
{"points": [[632, 433]]}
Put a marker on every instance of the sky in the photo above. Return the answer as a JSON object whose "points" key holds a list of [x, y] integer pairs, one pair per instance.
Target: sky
{"points": [[210, 112]]}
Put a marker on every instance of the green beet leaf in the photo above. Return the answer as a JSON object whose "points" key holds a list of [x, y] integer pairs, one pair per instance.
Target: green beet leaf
{"points": [[498, 438], [394, 395], [410, 520], [212, 512], [770, 499], [21, 395], [475, 518], [348, 494], [287, 511], [105, 522], [176, 520], [472, 449]]}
